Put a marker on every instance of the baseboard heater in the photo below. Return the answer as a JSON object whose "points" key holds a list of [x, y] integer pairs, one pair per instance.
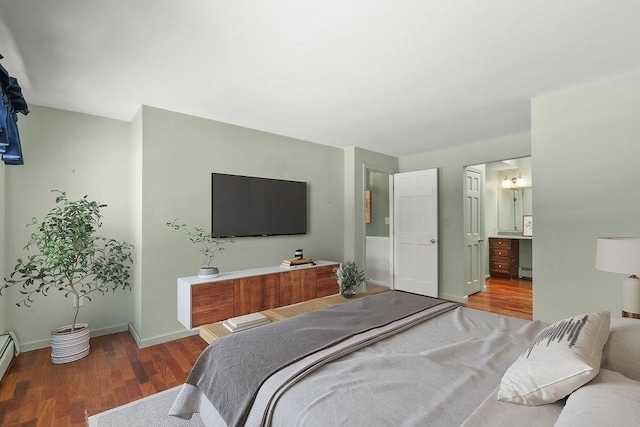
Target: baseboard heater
{"points": [[526, 272], [8, 349]]}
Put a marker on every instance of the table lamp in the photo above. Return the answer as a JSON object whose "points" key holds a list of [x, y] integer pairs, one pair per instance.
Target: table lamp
{"points": [[622, 255]]}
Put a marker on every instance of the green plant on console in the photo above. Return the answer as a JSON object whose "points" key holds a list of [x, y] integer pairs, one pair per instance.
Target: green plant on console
{"points": [[349, 278], [70, 257], [208, 243]]}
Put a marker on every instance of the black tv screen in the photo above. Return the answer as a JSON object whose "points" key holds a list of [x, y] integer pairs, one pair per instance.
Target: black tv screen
{"points": [[250, 206]]}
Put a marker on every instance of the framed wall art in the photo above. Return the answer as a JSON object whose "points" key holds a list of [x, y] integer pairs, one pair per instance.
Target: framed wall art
{"points": [[527, 225]]}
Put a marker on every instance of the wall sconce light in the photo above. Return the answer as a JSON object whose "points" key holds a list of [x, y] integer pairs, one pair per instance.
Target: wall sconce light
{"points": [[517, 182]]}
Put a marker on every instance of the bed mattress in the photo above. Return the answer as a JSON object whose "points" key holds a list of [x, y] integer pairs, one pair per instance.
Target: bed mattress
{"points": [[438, 373]]}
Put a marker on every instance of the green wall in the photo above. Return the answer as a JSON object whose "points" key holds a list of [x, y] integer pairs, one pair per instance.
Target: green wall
{"points": [[356, 162], [149, 171], [378, 184], [3, 242], [157, 167], [82, 155], [450, 164], [586, 147], [180, 153], [135, 197]]}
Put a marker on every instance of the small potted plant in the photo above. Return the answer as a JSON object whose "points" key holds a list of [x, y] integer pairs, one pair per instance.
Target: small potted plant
{"points": [[349, 278], [208, 245], [72, 259]]}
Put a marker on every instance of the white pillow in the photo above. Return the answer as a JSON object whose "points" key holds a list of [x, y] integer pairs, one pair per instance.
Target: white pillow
{"points": [[611, 399], [622, 351], [561, 358]]}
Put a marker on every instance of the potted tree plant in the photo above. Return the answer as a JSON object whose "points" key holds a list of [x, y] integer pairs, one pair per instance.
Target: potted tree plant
{"points": [[208, 245], [349, 278], [72, 259]]}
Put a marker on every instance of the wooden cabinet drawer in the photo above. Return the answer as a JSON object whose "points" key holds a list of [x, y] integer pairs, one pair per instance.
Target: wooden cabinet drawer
{"points": [[499, 253], [501, 266], [211, 302], [503, 257], [495, 242], [326, 284]]}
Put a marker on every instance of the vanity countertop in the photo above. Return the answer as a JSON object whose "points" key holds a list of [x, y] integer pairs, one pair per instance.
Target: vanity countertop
{"points": [[510, 236]]}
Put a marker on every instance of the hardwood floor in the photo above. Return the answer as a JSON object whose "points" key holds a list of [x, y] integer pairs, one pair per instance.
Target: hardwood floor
{"points": [[505, 296], [35, 392]]}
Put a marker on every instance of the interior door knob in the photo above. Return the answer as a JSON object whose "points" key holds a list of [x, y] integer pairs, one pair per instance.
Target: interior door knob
{"points": [[480, 240], [433, 241]]}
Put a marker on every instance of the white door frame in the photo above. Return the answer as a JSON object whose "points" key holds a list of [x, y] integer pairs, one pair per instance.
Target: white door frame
{"points": [[363, 225]]}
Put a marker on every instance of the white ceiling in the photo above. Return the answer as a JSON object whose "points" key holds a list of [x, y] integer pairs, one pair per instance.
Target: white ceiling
{"points": [[393, 76]]}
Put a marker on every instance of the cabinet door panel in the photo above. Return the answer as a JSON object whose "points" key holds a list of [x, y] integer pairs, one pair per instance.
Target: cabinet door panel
{"points": [[297, 286], [256, 293], [211, 302], [326, 284]]}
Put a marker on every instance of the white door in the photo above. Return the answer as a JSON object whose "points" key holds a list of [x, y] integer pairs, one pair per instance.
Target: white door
{"points": [[473, 231], [415, 232]]}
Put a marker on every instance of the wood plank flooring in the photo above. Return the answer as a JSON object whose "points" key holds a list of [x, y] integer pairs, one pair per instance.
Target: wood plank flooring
{"points": [[35, 392], [505, 296]]}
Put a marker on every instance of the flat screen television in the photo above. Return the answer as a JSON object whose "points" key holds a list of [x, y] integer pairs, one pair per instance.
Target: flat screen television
{"points": [[250, 206]]}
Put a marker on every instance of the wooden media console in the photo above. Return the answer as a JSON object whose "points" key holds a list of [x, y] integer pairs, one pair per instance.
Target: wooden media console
{"points": [[203, 301]]}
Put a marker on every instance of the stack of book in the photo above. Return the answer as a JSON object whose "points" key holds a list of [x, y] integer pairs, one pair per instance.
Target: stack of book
{"points": [[248, 321], [297, 263]]}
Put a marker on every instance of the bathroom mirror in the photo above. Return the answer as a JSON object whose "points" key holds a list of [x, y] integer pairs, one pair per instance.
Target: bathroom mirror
{"points": [[513, 203]]}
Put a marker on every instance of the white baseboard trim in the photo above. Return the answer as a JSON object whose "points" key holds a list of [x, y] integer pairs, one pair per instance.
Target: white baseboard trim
{"points": [[159, 339], [134, 333], [454, 298], [378, 282], [35, 345], [109, 330]]}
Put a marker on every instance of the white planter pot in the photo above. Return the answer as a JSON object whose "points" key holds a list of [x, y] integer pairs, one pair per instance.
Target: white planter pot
{"points": [[208, 272], [67, 346]]}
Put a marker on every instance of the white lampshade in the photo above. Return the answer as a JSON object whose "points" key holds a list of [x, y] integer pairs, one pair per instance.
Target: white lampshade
{"points": [[622, 255], [618, 255]]}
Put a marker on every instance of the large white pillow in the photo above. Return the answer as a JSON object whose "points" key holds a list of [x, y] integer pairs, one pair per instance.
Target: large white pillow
{"points": [[622, 351], [611, 399], [561, 358]]}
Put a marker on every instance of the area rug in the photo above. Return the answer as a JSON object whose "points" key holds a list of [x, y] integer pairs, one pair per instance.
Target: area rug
{"points": [[148, 411]]}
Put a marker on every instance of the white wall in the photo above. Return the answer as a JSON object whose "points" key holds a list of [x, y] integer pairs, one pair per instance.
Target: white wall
{"points": [[378, 260], [491, 188], [450, 164], [586, 147], [82, 155]]}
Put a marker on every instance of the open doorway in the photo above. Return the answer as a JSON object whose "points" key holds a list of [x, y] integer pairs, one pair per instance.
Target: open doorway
{"points": [[377, 227], [507, 233]]}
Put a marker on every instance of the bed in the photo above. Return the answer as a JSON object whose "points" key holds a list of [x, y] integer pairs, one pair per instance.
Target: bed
{"points": [[402, 359]]}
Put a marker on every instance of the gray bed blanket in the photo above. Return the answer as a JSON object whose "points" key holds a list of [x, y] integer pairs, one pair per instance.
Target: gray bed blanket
{"points": [[231, 370]]}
